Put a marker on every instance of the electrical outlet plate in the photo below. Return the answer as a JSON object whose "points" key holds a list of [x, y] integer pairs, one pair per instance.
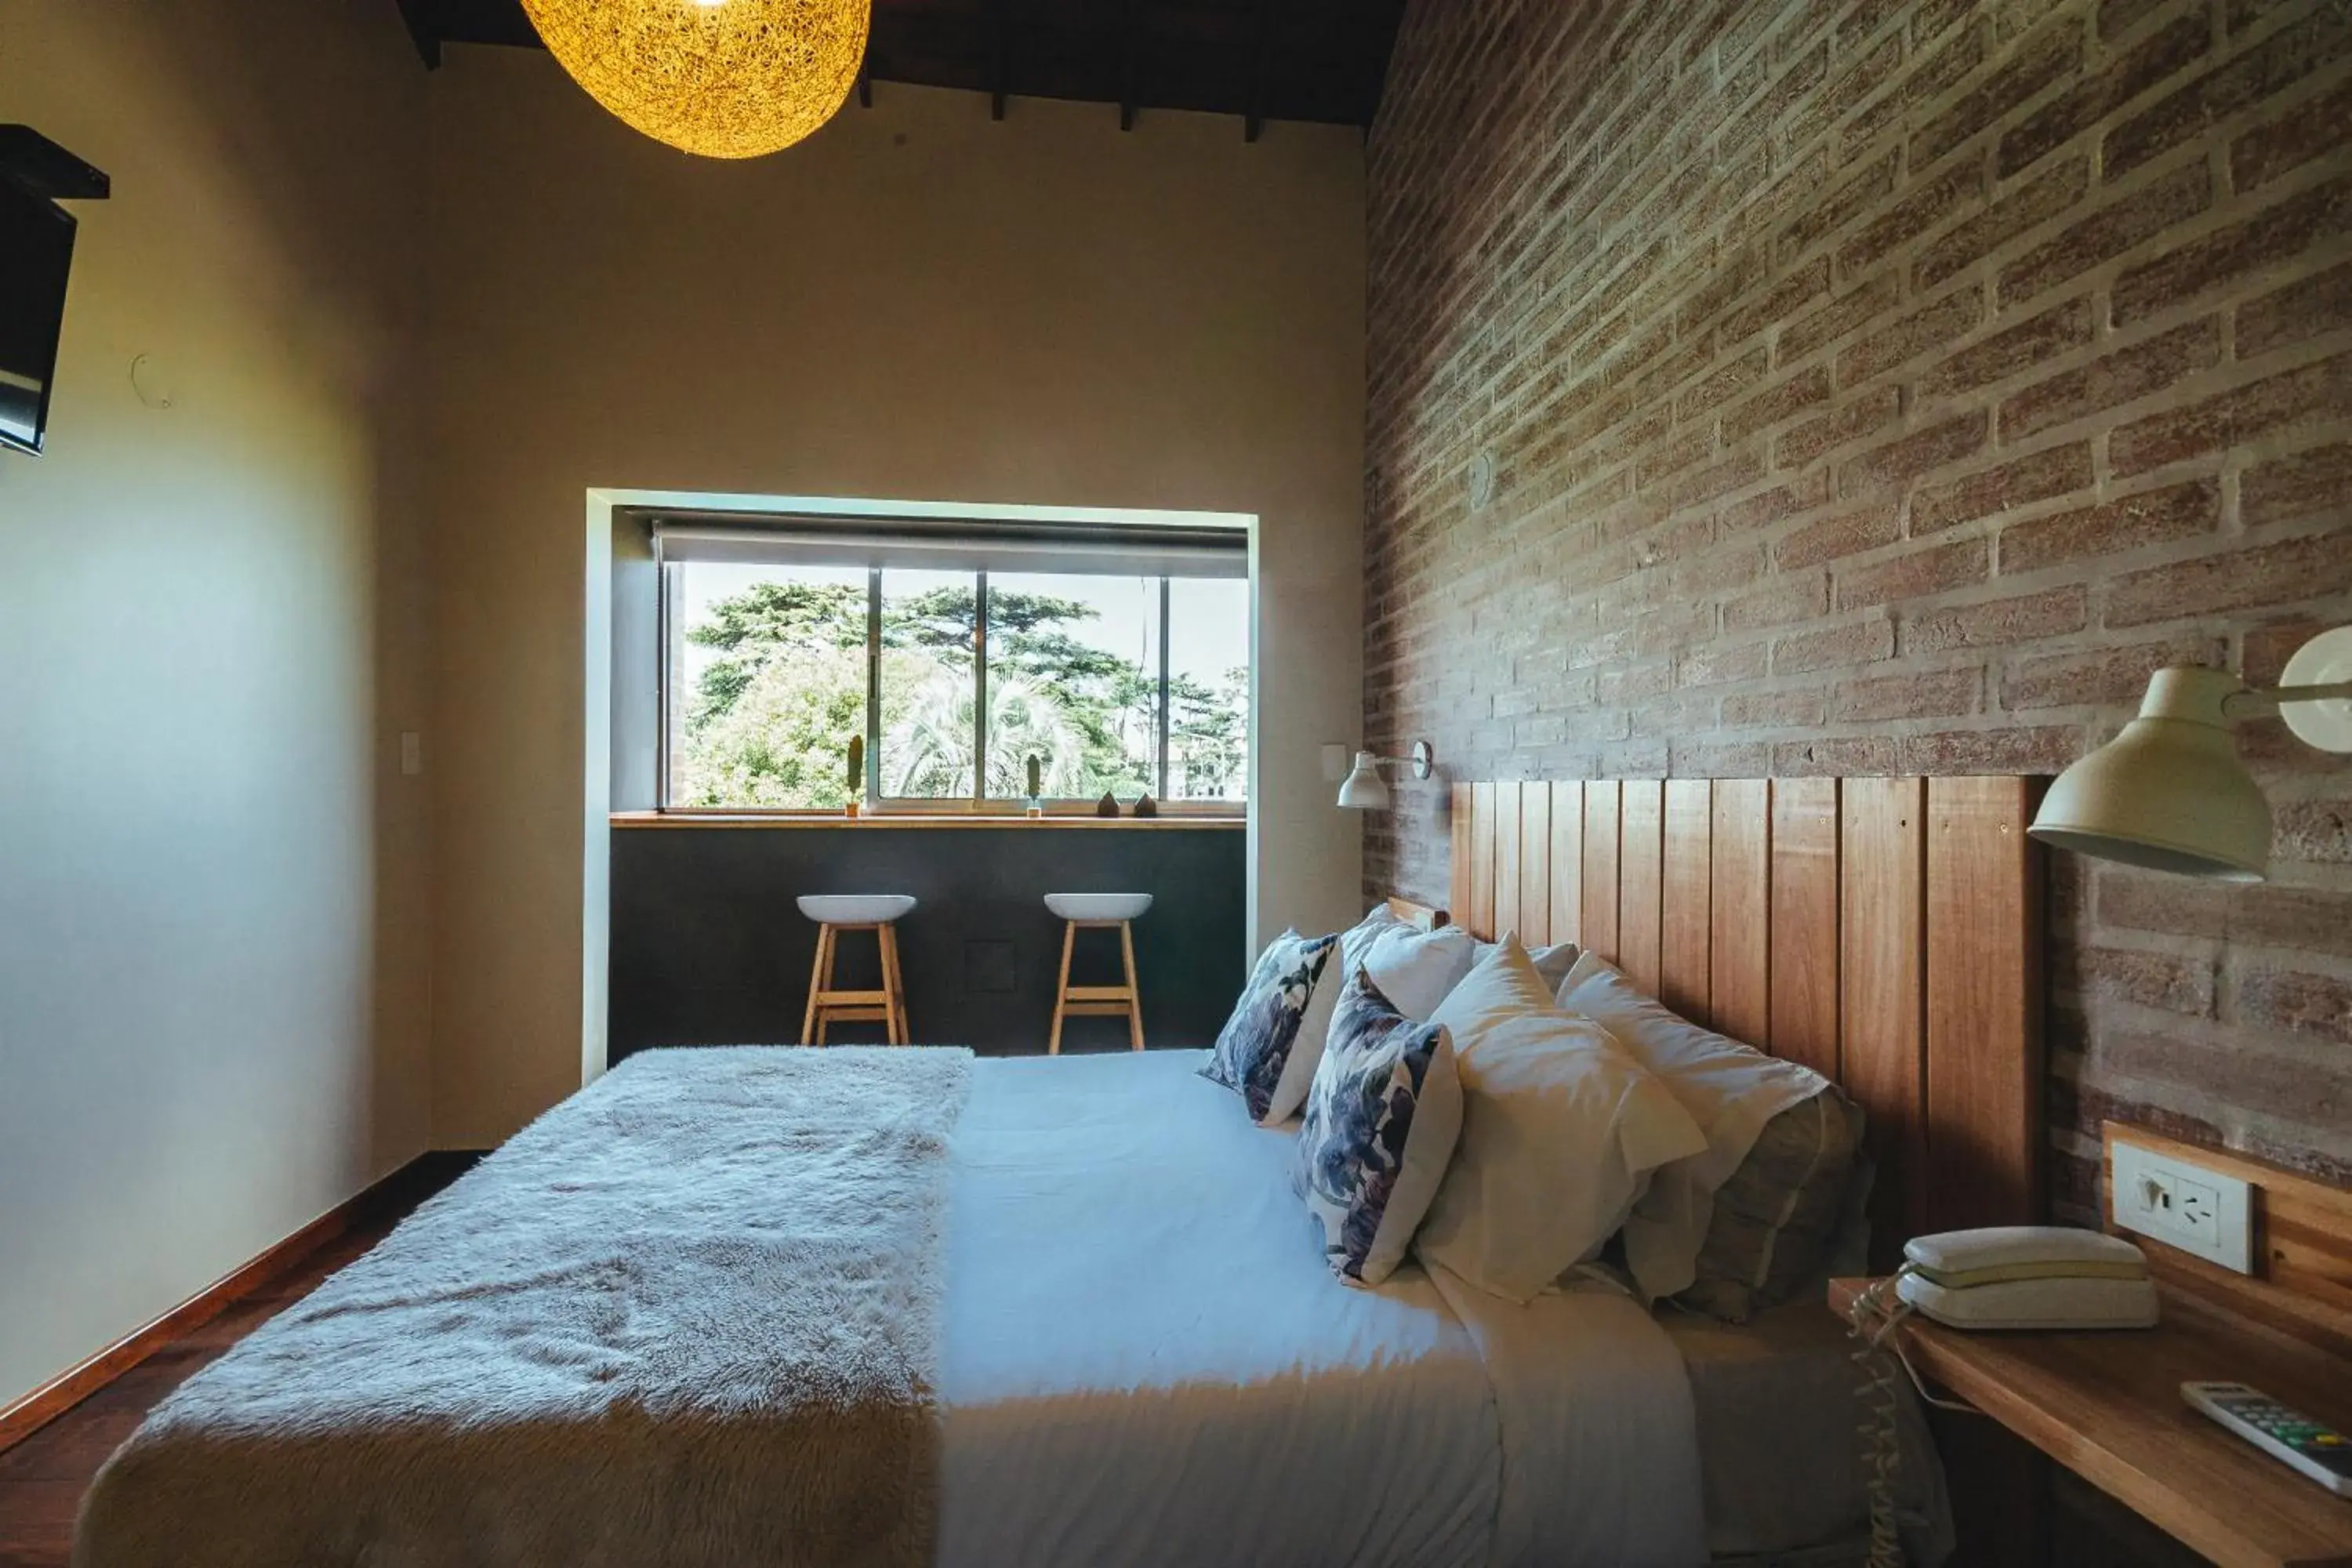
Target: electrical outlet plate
{"points": [[2202, 1212]]}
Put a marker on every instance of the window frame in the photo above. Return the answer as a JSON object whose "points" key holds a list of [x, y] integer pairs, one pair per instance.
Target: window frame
{"points": [[874, 803]]}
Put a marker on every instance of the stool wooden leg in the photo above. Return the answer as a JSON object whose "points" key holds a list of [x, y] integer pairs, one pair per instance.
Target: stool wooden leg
{"points": [[816, 984], [1134, 992], [895, 1005], [1062, 987], [825, 1009]]}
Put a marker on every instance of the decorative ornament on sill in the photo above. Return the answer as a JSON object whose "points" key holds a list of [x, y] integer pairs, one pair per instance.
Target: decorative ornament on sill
{"points": [[720, 78], [1147, 806], [855, 756], [1107, 805], [1036, 770]]}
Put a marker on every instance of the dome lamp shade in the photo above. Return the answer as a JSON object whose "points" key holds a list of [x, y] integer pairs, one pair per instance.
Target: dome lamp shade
{"points": [[2169, 794], [1365, 790], [720, 78]]}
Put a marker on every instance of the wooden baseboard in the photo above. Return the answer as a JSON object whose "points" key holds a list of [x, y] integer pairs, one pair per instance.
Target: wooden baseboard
{"points": [[424, 1174]]}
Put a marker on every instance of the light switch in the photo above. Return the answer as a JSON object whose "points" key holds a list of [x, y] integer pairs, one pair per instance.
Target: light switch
{"points": [[411, 754]]}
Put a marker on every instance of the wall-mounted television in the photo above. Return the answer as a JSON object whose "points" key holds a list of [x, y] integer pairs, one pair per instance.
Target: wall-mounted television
{"points": [[36, 240]]}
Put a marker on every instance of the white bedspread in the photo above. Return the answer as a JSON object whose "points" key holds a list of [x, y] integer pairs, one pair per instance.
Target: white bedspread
{"points": [[1177, 1379]]}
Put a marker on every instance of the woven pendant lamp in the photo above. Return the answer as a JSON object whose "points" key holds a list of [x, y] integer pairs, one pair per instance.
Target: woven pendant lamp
{"points": [[723, 78]]}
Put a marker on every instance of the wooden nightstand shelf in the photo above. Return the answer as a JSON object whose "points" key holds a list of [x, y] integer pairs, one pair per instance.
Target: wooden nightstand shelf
{"points": [[2108, 1406]]}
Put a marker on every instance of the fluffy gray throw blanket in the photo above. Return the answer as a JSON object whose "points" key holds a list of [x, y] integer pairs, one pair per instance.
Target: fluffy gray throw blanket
{"points": [[687, 1317]]}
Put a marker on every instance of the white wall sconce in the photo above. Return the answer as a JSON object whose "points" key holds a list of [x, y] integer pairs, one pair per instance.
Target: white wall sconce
{"points": [[1365, 790], [2169, 794]]}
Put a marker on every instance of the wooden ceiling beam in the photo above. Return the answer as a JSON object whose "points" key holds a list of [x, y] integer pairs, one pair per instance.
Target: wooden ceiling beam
{"points": [[1130, 64], [1263, 58], [1000, 75], [1261, 70], [422, 32]]}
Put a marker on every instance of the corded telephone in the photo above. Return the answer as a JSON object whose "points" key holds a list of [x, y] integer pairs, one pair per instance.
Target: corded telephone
{"points": [[2004, 1277], [2027, 1277]]}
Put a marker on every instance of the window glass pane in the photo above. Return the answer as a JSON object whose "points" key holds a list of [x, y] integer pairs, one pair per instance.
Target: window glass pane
{"points": [[1208, 689], [768, 667], [927, 684], [1072, 680]]}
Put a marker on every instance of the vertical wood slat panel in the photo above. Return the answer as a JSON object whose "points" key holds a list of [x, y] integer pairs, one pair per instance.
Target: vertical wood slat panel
{"points": [[1641, 867], [1739, 911], [1983, 1046], [1479, 918], [1882, 856], [1507, 860], [1535, 864], [1567, 860], [1602, 798], [1802, 957], [1458, 892], [1686, 917]]}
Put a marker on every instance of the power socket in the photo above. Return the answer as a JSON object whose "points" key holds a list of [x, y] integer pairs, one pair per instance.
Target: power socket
{"points": [[2187, 1206]]}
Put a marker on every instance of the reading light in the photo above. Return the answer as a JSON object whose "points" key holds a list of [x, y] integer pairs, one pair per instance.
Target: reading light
{"points": [[723, 78], [1366, 791], [2169, 794]]}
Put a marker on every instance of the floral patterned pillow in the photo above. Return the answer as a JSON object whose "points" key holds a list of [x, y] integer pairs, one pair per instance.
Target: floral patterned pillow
{"points": [[1381, 1121], [1254, 1045]]}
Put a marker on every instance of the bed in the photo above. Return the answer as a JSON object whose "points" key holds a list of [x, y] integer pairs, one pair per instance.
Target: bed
{"points": [[1105, 1336]]}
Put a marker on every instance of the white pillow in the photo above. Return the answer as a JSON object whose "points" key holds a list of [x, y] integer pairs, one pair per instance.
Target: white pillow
{"points": [[1416, 969], [1560, 1129], [1730, 1089], [1552, 964]]}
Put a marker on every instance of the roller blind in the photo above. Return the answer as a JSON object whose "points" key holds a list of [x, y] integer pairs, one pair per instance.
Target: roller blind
{"points": [[1111, 549]]}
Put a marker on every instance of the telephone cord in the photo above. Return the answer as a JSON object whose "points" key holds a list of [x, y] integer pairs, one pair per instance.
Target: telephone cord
{"points": [[1877, 1312]]}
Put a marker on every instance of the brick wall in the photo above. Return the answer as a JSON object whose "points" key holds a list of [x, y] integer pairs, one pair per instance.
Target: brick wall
{"points": [[1887, 386]]}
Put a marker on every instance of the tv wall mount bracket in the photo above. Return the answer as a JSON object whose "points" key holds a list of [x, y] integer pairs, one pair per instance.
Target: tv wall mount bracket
{"points": [[47, 169]]}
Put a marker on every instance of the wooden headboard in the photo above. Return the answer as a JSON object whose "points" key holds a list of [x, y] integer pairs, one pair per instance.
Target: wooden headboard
{"points": [[1886, 932]]}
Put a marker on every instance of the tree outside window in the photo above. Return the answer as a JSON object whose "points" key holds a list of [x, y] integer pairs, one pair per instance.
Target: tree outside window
{"points": [[773, 669]]}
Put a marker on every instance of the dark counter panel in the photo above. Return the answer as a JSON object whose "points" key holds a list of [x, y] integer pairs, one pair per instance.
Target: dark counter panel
{"points": [[708, 949]]}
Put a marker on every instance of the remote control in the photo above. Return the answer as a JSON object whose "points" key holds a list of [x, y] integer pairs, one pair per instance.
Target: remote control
{"points": [[2311, 1447]]}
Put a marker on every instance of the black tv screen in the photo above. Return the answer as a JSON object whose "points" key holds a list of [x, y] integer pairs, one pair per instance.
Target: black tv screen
{"points": [[36, 240]]}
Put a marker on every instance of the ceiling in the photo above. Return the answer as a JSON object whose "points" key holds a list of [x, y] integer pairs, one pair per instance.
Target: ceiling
{"points": [[1254, 60]]}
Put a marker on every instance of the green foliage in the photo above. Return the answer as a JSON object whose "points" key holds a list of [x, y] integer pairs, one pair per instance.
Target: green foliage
{"points": [[777, 740], [1208, 736], [772, 712]]}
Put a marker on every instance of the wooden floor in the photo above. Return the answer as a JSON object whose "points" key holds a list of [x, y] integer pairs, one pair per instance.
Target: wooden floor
{"points": [[43, 1477]]}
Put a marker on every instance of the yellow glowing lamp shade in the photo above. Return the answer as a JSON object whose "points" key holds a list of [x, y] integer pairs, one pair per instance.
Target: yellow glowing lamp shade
{"points": [[722, 78]]}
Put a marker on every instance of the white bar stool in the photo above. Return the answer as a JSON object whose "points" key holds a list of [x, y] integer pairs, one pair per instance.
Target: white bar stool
{"points": [[835, 913], [1102, 909]]}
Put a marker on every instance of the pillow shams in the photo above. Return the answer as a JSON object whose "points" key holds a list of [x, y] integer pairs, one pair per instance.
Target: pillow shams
{"points": [[1254, 1048], [1381, 1125], [1561, 1131], [1732, 1090], [1777, 1217]]}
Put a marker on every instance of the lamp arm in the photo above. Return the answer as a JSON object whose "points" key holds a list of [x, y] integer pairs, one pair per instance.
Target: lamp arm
{"points": [[2328, 692], [2237, 702]]}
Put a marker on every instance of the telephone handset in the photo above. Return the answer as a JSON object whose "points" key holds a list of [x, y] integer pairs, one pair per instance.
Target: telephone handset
{"points": [[2027, 1277]]}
